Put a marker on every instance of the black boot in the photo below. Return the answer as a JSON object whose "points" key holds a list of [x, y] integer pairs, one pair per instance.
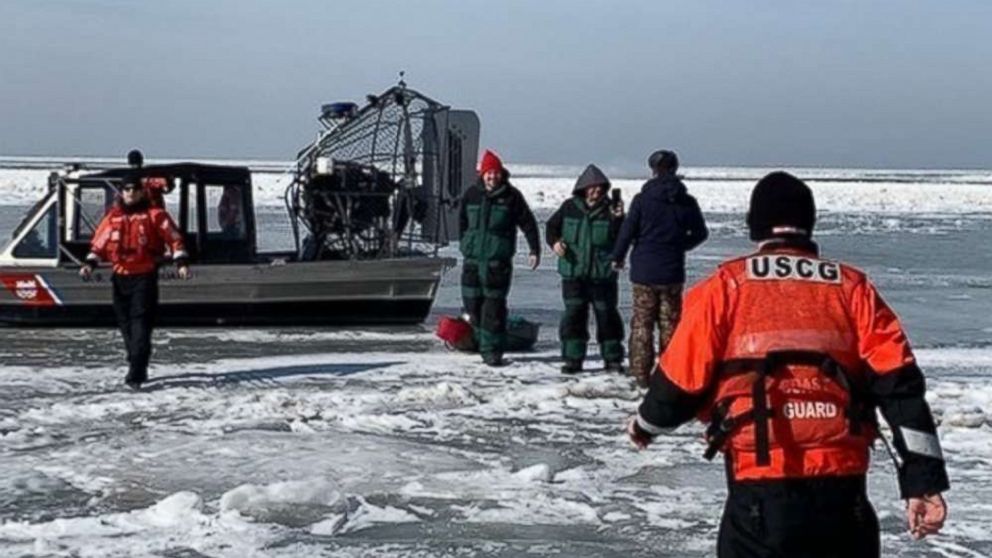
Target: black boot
{"points": [[135, 377], [493, 359], [571, 367], [614, 366]]}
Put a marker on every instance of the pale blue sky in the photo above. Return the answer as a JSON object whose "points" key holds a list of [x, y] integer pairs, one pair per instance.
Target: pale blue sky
{"points": [[900, 83]]}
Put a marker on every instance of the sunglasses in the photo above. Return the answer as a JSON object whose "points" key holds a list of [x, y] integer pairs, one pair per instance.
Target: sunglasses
{"points": [[130, 188]]}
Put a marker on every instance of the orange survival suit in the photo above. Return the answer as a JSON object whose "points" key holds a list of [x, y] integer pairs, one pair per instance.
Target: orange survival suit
{"points": [[814, 341], [786, 356], [133, 239], [807, 360]]}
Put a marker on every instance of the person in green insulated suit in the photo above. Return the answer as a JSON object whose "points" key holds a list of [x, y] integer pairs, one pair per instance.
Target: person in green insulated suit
{"points": [[491, 212], [582, 233]]}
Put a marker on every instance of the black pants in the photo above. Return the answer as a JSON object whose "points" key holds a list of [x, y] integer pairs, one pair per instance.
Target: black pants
{"points": [[136, 305], [573, 329], [815, 518], [485, 287]]}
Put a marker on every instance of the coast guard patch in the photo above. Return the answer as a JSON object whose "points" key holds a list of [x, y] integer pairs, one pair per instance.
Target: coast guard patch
{"points": [[778, 267]]}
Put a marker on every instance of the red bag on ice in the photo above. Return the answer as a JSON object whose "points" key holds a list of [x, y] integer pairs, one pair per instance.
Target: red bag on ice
{"points": [[456, 332]]}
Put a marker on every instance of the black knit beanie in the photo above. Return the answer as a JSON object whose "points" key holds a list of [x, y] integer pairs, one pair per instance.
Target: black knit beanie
{"points": [[663, 160], [781, 205]]}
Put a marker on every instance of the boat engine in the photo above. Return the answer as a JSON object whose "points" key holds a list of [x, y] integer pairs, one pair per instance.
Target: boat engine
{"points": [[348, 211], [382, 180]]}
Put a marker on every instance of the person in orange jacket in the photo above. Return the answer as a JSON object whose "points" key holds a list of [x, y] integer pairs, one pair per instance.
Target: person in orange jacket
{"points": [[133, 236], [786, 356]]}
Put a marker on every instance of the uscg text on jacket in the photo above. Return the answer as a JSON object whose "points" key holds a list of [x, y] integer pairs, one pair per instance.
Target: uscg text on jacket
{"points": [[764, 267]]}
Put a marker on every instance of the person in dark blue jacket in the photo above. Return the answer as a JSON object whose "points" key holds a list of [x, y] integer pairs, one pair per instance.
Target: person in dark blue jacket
{"points": [[663, 223]]}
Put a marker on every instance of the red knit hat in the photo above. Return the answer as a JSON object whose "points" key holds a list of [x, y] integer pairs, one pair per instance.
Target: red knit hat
{"points": [[490, 162]]}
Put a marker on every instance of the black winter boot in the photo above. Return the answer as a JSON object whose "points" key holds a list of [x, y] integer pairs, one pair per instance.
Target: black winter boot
{"points": [[494, 359], [614, 366], [132, 382], [571, 367], [135, 377]]}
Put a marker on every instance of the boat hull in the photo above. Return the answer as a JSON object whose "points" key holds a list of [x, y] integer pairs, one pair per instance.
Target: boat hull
{"points": [[398, 291]]}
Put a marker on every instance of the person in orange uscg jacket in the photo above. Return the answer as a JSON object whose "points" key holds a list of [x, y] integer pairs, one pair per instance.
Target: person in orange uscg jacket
{"points": [[786, 356], [132, 237]]}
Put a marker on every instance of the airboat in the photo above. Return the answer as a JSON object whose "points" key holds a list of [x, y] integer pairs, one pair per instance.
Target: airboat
{"points": [[371, 201]]}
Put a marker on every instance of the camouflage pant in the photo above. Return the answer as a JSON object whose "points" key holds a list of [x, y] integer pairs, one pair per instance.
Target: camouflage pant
{"points": [[653, 304]]}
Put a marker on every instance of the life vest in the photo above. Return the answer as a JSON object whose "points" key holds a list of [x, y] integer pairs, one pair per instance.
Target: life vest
{"points": [[781, 341], [133, 241], [588, 234], [491, 226]]}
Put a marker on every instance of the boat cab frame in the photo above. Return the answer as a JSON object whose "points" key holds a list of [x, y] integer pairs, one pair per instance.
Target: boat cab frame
{"points": [[370, 202], [233, 283]]}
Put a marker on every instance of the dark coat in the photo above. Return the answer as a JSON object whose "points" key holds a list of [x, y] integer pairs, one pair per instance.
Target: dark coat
{"points": [[663, 223], [488, 223], [589, 232]]}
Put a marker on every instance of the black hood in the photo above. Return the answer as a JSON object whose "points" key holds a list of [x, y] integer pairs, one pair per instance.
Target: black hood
{"points": [[667, 187], [592, 176]]}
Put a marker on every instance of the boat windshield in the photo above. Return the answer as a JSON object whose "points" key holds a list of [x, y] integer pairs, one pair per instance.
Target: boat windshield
{"points": [[41, 241], [29, 216]]}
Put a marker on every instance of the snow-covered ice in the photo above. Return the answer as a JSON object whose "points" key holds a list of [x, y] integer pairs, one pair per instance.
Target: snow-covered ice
{"points": [[379, 442], [408, 447], [719, 189]]}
